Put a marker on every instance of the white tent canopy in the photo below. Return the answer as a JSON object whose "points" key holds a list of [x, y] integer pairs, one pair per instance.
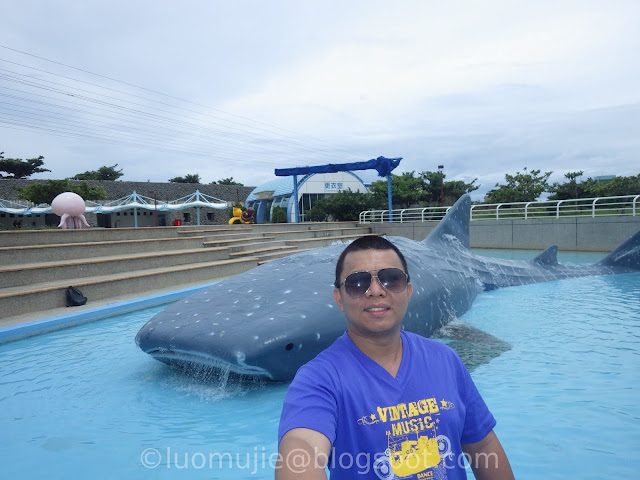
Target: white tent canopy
{"points": [[133, 201]]}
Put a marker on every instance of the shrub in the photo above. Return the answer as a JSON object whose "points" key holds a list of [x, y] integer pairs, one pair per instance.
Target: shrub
{"points": [[278, 215]]}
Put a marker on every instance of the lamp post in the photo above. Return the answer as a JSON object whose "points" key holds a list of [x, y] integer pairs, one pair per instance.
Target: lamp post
{"points": [[440, 169], [155, 204]]}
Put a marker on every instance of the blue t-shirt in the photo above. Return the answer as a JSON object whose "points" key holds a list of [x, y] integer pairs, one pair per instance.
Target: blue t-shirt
{"points": [[410, 426]]}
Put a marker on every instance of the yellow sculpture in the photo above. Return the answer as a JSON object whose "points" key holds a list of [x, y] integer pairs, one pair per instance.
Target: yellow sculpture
{"points": [[241, 217]]}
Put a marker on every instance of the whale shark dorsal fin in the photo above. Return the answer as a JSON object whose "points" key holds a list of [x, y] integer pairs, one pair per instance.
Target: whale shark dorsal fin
{"points": [[454, 224], [548, 257], [627, 255]]}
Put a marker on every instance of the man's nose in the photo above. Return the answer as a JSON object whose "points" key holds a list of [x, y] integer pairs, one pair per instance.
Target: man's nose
{"points": [[376, 289]]}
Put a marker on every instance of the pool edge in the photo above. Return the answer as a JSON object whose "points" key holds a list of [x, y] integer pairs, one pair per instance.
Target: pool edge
{"points": [[44, 325]]}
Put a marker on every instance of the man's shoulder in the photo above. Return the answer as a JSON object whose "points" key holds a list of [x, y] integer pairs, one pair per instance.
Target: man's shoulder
{"points": [[428, 345], [330, 359]]}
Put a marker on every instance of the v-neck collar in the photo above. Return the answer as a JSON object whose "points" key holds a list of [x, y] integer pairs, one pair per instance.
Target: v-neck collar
{"points": [[378, 370]]}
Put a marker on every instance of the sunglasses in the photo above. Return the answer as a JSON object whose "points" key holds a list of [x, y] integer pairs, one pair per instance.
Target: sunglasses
{"points": [[357, 284]]}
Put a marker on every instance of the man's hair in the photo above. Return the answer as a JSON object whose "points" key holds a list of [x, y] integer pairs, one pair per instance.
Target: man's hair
{"points": [[368, 242]]}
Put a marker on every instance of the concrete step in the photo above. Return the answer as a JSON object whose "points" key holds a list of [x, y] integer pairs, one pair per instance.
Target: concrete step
{"points": [[223, 242], [245, 248], [43, 296], [34, 277], [329, 232], [32, 273], [14, 238], [212, 237], [213, 230], [307, 243], [274, 227], [258, 252], [268, 257], [290, 238], [70, 251]]}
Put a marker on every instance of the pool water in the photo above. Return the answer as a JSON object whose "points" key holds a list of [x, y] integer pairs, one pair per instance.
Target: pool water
{"points": [[85, 402]]}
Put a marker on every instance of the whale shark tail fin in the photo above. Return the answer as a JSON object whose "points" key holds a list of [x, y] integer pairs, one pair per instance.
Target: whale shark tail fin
{"points": [[548, 257], [454, 224], [626, 255]]}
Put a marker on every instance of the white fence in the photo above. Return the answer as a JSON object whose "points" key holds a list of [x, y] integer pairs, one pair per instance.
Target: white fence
{"points": [[589, 207]]}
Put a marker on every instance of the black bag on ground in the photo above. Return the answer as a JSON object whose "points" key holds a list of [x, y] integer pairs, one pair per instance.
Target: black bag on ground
{"points": [[75, 297]]}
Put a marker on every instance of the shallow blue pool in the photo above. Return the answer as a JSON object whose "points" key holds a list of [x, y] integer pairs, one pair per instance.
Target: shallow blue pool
{"points": [[86, 403]]}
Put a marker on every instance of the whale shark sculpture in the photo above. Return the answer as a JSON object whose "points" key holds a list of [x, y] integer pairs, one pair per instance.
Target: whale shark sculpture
{"points": [[270, 320]]}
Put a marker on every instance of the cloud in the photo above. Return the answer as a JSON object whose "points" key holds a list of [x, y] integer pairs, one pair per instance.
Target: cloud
{"points": [[485, 88]]}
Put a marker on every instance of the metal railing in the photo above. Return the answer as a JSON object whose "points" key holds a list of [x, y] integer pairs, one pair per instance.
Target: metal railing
{"points": [[581, 207]]}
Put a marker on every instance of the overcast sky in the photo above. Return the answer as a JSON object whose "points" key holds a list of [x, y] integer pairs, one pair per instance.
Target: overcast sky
{"points": [[237, 88]]}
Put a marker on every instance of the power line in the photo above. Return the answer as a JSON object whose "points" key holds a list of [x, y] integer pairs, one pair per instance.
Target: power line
{"points": [[263, 136]]}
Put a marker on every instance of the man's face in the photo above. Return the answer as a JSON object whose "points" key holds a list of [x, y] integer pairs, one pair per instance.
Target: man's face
{"points": [[379, 312]]}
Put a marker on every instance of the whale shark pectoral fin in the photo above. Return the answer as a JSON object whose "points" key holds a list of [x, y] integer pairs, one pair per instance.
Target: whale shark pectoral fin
{"points": [[474, 346], [548, 257], [455, 223], [627, 255]]}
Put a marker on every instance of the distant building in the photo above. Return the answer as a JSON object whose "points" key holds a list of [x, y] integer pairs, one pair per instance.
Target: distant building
{"points": [[311, 188], [604, 178]]}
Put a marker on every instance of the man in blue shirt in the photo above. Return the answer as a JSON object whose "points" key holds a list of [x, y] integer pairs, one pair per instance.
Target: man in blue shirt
{"points": [[381, 402]]}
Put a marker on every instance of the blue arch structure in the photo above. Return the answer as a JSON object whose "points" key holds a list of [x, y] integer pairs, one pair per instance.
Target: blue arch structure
{"points": [[383, 165], [280, 194]]}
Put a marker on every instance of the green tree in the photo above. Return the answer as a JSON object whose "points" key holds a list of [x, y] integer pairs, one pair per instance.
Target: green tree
{"points": [[453, 190], [406, 190], [103, 173], [227, 181], [190, 178], [590, 188], [45, 192], [570, 189], [278, 215], [342, 206], [521, 187], [318, 213], [617, 186], [18, 168]]}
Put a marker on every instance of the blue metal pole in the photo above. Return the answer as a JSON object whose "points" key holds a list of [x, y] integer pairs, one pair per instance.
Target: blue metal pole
{"points": [[295, 199], [389, 196]]}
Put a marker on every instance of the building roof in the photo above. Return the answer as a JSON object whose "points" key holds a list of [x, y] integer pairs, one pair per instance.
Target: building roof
{"points": [[271, 189], [284, 186]]}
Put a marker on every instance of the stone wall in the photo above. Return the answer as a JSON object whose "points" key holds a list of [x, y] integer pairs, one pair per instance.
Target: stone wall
{"points": [[118, 189]]}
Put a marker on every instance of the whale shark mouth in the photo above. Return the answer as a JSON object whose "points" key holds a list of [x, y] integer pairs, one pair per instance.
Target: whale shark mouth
{"points": [[197, 361]]}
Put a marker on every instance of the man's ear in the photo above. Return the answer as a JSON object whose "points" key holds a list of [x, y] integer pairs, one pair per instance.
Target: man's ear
{"points": [[338, 298]]}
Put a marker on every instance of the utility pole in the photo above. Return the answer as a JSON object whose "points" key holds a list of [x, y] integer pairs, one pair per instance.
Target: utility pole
{"points": [[440, 169]]}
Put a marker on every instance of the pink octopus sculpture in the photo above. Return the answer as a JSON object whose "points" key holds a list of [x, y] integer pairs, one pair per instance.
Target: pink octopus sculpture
{"points": [[70, 206]]}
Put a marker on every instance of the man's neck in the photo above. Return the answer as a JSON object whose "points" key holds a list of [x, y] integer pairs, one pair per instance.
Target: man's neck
{"points": [[385, 350]]}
